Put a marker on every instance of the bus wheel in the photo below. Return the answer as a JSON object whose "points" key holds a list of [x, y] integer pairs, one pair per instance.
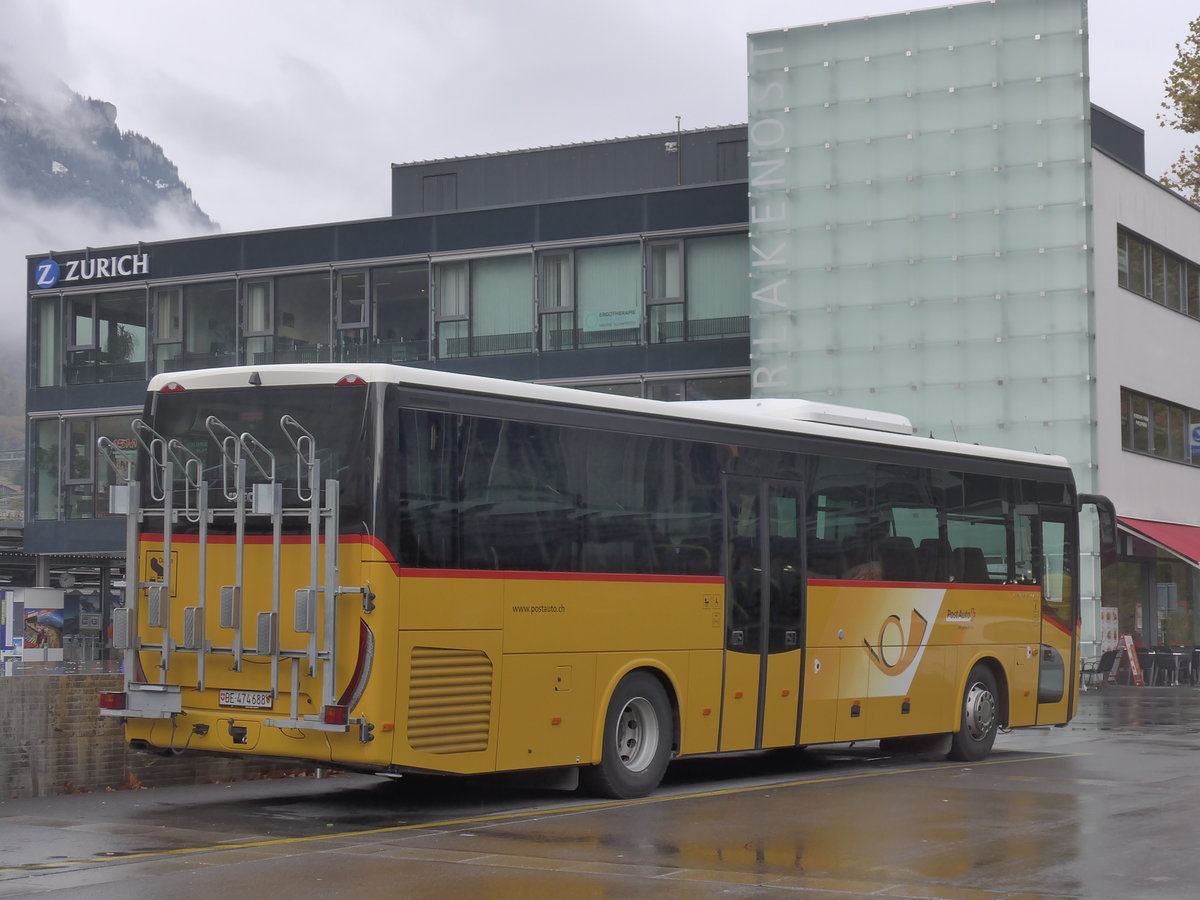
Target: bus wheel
{"points": [[979, 718], [638, 734]]}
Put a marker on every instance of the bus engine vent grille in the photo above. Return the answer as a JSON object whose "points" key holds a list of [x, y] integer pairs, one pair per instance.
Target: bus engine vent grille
{"points": [[450, 700]]}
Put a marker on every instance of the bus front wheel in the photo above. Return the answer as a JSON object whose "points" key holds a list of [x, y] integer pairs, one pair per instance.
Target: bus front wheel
{"points": [[638, 734], [979, 717]]}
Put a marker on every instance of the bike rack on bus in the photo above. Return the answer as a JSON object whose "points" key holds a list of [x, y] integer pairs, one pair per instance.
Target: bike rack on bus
{"points": [[238, 453]]}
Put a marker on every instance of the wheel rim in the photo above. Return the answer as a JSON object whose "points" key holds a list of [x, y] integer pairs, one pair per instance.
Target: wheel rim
{"points": [[637, 734], [979, 711]]}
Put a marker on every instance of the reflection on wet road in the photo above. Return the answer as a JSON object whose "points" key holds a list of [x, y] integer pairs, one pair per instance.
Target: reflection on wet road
{"points": [[1101, 808]]}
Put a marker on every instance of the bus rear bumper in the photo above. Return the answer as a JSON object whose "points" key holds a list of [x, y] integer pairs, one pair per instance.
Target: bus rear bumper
{"points": [[143, 701]]}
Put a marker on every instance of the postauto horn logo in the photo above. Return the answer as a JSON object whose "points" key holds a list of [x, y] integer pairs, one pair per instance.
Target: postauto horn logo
{"points": [[49, 273]]}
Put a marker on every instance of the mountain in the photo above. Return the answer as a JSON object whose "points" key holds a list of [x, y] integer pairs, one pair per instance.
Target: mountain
{"points": [[69, 177], [58, 147]]}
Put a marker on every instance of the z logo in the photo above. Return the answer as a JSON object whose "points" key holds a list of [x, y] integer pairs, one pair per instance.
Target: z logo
{"points": [[46, 273], [895, 652]]}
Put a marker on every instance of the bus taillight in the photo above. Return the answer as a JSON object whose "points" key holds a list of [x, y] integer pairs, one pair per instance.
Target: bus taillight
{"points": [[173, 387], [335, 715], [112, 700], [350, 381]]}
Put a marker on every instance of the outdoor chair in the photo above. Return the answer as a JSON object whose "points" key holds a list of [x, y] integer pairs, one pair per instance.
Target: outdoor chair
{"points": [[1096, 669]]}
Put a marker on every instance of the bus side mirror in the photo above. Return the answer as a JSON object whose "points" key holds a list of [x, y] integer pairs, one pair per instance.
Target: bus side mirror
{"points": [[1107, 515]]}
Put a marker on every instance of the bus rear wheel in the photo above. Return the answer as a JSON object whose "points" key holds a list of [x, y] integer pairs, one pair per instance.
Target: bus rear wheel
{"points": [[638, 735], [979, 717]]}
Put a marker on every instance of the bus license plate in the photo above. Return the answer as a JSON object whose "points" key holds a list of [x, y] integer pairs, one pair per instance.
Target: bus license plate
{"points": [[245, 699]]}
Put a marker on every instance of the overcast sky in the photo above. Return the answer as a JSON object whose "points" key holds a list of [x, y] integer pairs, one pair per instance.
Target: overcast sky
{"points": [[289, 112]]}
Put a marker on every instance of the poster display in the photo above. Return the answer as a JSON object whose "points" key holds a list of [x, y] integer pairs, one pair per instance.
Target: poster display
{"points": [[1109, 630], [38, 614]]}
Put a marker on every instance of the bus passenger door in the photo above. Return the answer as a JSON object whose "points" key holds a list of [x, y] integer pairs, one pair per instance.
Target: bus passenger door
{"points": [[1057, 684], [764, 590]]}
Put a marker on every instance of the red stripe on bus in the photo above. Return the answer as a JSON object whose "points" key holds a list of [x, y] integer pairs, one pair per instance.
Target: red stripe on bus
{"points": [[1050, 620], [411, 572], [249, 539], [519, 575]]}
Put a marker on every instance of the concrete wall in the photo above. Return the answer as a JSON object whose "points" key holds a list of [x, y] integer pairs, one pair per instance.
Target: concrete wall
{"points": [[53, 741]]}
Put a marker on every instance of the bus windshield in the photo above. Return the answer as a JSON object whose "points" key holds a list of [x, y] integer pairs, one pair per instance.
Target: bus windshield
{"points": [[335, 416]]}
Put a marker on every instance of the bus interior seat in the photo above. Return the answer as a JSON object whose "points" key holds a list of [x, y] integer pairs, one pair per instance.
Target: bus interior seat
{"points": [[858, 560], [971, 565], [899, 558], [824, 560], [934, 558]]}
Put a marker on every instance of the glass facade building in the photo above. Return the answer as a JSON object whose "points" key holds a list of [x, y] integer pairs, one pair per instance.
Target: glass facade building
{"points": [[920, 219]]}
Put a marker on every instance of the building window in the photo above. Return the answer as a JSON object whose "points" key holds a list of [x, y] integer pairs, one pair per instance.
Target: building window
{"points": [[1157, 274], [302, 316], [44, 467], [1159, 428], [608, 292], [77, 481], [718, 296], [501, 306], [209, 318], [352, 300], [257, 326], [696, 289], [80, 469], [106, 337], [401, 313], [168, 328], [556, 300], [452, 315], [664, 291], [47, 350]]}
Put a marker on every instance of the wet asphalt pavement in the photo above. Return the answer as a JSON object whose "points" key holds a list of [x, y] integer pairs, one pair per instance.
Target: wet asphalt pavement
{"points": [[1107, 807]]}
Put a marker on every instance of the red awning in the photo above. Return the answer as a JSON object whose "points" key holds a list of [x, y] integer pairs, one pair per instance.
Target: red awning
{"points": [[1181, 540]]}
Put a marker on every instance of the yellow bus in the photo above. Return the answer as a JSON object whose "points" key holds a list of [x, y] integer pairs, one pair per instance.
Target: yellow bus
{"points": [[398, 570]]}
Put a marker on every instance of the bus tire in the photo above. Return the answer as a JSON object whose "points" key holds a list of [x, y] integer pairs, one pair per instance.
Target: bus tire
{"points": [[637, 740], [979, 717]]}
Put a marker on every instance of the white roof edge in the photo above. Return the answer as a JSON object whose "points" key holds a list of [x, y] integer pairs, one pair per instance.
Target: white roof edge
{"points": [[812, 411], [762, 414]]}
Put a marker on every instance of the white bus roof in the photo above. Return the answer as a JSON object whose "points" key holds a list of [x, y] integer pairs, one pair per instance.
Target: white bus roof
{"points": [[792, 416]]}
